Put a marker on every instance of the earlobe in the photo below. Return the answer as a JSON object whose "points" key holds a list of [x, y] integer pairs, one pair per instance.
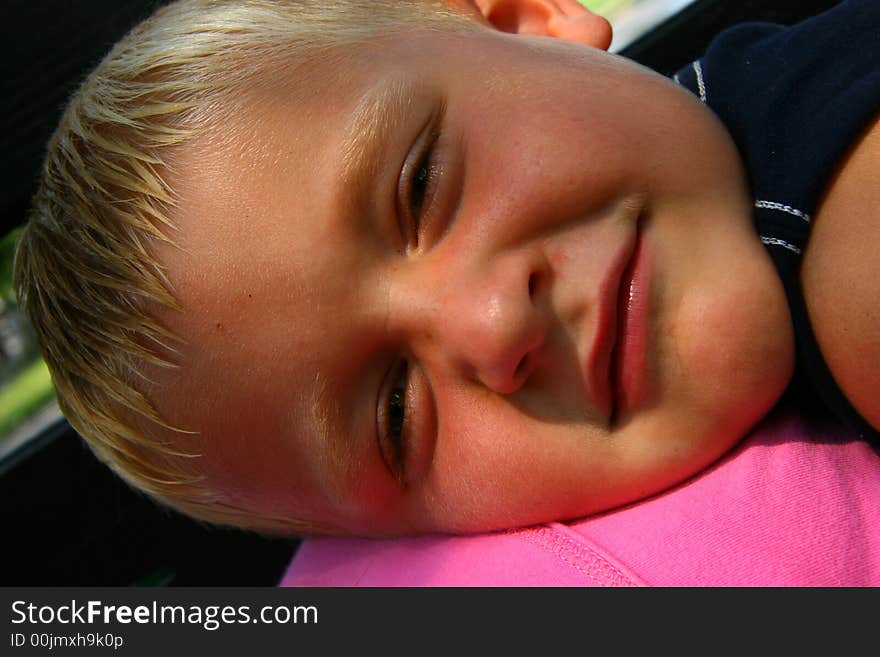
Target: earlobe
{"points": [[564, 19]]}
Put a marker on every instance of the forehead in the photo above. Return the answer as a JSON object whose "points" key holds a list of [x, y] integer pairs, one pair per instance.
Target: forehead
{"points": [[245, 179]]}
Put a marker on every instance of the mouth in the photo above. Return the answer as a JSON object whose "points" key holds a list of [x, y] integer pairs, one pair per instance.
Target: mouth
{"points": [[626, 376], [616, 371]]}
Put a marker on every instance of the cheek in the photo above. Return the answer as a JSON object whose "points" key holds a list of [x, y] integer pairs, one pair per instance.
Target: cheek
{"points": [[734, 346], [494, 467]]}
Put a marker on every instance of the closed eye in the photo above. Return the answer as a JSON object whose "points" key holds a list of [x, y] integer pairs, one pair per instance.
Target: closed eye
{"points": [[418, 184], [392, 414]]}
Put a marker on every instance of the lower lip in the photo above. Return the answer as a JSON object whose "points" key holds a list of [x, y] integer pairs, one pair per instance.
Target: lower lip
{"points": [[630, 350]]}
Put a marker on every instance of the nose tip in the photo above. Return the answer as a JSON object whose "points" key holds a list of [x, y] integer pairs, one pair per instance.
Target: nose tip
{"points": [[504, 333], [506, 354], [484, 318]]}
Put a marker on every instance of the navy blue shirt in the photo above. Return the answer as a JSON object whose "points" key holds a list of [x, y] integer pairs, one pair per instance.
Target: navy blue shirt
{"points": [[795, 99]]}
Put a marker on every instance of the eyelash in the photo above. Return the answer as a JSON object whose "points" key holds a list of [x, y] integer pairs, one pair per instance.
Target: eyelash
{"points": [[393, 417]]}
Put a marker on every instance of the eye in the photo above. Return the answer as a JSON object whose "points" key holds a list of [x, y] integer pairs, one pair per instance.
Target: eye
{"points": [[417, 186], [392, 414]]}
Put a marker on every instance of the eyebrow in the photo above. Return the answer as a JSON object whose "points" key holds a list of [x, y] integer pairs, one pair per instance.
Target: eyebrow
{"points": [[376, 117], [334, 449]]}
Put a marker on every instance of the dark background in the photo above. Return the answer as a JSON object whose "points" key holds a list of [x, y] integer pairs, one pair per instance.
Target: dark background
{"points": [[66, 519]]}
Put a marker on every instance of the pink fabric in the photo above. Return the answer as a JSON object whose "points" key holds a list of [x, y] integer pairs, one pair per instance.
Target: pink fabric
{"points": [[791, 506]]}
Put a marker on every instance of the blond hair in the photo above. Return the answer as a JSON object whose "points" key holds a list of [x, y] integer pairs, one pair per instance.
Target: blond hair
{"points": [[85, 271]]}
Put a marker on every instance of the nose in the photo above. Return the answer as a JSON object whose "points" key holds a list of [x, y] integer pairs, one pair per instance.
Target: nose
{"points": [[489, 321]]}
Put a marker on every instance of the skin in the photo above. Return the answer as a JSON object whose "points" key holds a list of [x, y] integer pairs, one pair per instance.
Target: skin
{"points": [[845, 231], [549, 156]]}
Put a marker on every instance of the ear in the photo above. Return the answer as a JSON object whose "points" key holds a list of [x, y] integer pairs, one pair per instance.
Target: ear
{"points": [[564, 19]]}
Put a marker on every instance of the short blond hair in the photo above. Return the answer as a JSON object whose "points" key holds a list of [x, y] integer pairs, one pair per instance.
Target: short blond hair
{"points": [[85, 270]]}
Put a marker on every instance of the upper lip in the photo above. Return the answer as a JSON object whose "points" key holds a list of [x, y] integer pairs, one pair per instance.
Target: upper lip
{"points": [[605, 338]]}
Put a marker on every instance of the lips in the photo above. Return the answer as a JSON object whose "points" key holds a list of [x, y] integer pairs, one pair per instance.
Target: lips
{"points": [[616, 369], [601, 361], [629, 354]]}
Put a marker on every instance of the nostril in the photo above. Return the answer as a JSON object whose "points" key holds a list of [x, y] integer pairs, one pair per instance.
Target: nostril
{"points": [[533, 284]]}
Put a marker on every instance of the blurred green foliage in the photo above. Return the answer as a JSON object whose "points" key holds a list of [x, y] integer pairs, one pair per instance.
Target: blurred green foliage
{"points": [[7, 250], [603, 7], [26, 394], [30, 387]]}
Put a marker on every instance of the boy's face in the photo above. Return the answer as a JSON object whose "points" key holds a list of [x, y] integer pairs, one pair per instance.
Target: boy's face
{"points": [[470, 281]]}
